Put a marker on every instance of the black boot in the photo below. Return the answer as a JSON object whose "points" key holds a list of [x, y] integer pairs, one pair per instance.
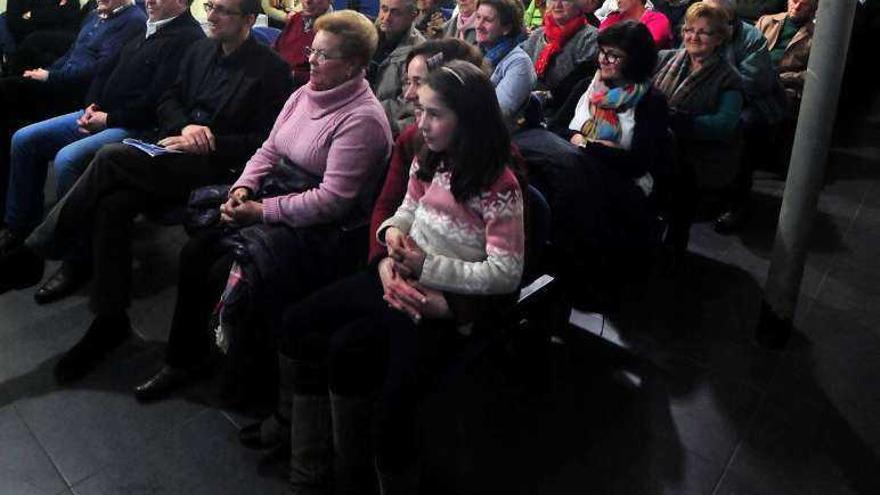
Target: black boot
{"points": [[311, 443], [353, 466], [105, 334], [274, 431]]}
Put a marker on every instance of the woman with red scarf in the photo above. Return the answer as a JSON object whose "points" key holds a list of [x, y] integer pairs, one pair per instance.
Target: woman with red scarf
{"points": [[563, 50]]}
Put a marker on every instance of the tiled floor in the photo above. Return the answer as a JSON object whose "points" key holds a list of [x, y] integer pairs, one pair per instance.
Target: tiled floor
{"points": [[670, 396]]}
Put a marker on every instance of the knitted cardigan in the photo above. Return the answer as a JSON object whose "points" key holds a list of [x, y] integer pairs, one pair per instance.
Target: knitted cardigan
{"points": [[475, 247]]}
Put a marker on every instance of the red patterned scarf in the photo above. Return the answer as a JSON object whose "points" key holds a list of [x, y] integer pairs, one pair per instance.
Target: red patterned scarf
{"points": [[557, 36]]}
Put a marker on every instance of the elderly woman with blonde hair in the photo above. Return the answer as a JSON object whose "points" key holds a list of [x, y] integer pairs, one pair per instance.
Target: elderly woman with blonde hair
{"points": [[705, 98]]}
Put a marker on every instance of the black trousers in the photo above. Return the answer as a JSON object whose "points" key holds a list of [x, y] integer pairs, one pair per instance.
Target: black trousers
{"points": [[371, 349], [120, 183], [202, 274]]}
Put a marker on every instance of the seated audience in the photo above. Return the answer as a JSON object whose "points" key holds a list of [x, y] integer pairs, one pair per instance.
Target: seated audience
{"points": [[635, 10], [39, 93], [274, 431], [297, 35], [789, 38], [123, 103], [563, 51], [499, 31], [334, 134], [397, 37], [462, 24], [763, 109], [281, 11], [705, 98], [751, 10], [212, 119], [454, 245], [430, 19]]}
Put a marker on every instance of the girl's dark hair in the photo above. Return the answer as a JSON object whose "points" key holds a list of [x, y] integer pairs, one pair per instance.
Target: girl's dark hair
{"points": [[636, 41], [452, 49], [480, 148]]}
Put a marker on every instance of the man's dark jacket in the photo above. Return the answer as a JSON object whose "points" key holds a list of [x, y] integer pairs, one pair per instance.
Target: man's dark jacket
{"points": [[245, 111], [129, 90]]}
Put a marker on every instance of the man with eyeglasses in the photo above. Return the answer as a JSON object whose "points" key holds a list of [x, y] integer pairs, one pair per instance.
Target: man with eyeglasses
{"points": [[297, 36], [397, 37], [40, 92], [122, 103], [213, 118]]}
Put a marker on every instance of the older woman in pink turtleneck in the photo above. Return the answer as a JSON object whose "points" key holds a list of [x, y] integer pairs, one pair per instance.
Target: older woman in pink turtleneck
{"points": [[334, 133]]}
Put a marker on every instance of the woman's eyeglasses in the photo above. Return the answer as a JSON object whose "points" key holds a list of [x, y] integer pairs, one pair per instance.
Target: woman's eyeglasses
{"points": [[610, 57], [219, 10], [699, 33], [320, 55]]}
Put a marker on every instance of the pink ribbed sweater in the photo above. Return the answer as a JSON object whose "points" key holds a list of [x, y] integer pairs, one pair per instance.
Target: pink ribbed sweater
{"points": [[341, 135]]}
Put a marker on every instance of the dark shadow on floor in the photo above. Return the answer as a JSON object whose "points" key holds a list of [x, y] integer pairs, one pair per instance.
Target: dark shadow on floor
{"points": [[759, 231]]}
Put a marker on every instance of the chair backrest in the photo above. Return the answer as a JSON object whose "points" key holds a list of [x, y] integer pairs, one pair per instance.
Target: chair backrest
{"points": [[265, 35], [369, 8], [538, 240]]}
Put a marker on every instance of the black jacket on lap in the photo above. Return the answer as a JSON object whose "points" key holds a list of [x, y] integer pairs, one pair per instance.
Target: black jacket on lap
{"points": [[129, 90], [258, 82]]}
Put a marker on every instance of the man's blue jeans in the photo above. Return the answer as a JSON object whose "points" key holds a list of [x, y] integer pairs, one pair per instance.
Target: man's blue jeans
{"points": [[33, 147]]}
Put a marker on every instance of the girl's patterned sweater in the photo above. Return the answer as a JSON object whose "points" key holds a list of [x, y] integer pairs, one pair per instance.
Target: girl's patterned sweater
{"points": [[475, 247]]}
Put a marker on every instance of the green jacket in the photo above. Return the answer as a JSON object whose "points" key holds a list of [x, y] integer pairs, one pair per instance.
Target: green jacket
{"points": [[533, 17]]}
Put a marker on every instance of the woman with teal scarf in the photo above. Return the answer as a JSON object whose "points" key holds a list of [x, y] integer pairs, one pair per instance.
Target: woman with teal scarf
{"points": [[499, 27]]}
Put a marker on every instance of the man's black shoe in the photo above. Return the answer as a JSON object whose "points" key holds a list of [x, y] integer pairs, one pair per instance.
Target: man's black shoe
{"points": [[65, 281], [730, 221], [160, 385], [20, 269], [105, 334], [265, 434]]}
